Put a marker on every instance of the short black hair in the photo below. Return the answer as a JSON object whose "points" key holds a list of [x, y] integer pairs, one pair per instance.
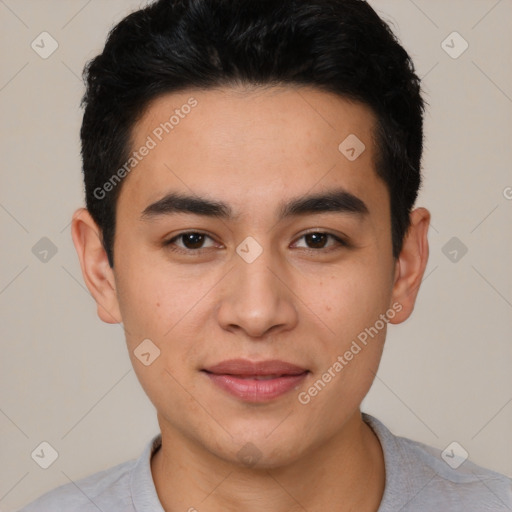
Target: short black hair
{"points": [[338, 46]]}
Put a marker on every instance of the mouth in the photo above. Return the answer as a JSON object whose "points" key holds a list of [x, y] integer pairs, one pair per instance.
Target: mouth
{"points": [[256, 381]]}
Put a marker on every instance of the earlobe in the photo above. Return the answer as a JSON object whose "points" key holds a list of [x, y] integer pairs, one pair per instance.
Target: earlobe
{"points": [[98, 276], [411, 264]]}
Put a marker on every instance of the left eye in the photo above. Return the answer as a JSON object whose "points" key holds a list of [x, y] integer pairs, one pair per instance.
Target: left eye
{"points": [[319, 239]]}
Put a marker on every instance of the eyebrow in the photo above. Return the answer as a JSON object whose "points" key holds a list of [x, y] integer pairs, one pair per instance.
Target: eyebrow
{"points": [[335, 201]]}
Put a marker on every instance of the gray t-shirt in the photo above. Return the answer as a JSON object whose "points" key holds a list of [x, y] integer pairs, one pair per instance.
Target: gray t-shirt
{"points": [[417, 479]]}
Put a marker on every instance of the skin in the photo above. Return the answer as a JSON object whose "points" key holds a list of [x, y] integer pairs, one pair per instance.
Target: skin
{"points": [[253, 149]]}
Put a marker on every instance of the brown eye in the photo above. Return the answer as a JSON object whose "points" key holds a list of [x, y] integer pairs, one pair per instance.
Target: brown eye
{"points": [[191, 241], [318, 240]]}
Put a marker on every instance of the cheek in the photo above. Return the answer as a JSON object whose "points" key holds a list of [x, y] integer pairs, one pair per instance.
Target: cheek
{"points": [[357, 297], [168, 308], [352, 297], [151, 298]]}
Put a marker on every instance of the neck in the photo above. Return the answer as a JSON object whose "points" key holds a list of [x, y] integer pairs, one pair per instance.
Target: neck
{"points": [[347, 470]]}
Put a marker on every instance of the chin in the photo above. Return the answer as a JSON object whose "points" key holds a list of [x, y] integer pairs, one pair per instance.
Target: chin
{"points": [[262, 451]]}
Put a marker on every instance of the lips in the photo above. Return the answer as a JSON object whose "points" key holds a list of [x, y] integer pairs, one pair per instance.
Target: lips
{"points": [[246, 368], [256, 381]]}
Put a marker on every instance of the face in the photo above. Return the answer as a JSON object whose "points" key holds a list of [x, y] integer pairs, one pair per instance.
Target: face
{"points": [[266, 298]]}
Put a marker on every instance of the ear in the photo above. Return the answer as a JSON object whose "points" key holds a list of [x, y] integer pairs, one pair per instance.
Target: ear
{"points": [[98, 275], [411, 264]]}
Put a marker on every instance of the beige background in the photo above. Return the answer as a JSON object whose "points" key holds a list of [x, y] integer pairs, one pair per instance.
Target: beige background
{"points": [[66, 377]]}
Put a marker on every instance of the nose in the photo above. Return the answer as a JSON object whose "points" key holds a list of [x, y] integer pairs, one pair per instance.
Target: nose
{"points": [[257, 298]]}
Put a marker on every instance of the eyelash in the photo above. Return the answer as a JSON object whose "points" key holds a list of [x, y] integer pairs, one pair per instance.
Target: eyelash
{"points": [[169, 244]]}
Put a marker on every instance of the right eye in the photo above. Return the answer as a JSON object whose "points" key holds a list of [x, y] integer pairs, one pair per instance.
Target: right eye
{"points": [[192, 242]]}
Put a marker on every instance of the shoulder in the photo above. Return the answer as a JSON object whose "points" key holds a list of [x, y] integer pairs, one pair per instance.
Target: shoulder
{"points": [[421, 477], [110, 487]]}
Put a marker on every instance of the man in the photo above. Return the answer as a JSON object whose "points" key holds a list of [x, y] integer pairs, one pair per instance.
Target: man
{"points": [[251, 169]]}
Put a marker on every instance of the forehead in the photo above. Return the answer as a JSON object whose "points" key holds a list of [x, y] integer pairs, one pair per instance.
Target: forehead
{"points": [[259, 143]]}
